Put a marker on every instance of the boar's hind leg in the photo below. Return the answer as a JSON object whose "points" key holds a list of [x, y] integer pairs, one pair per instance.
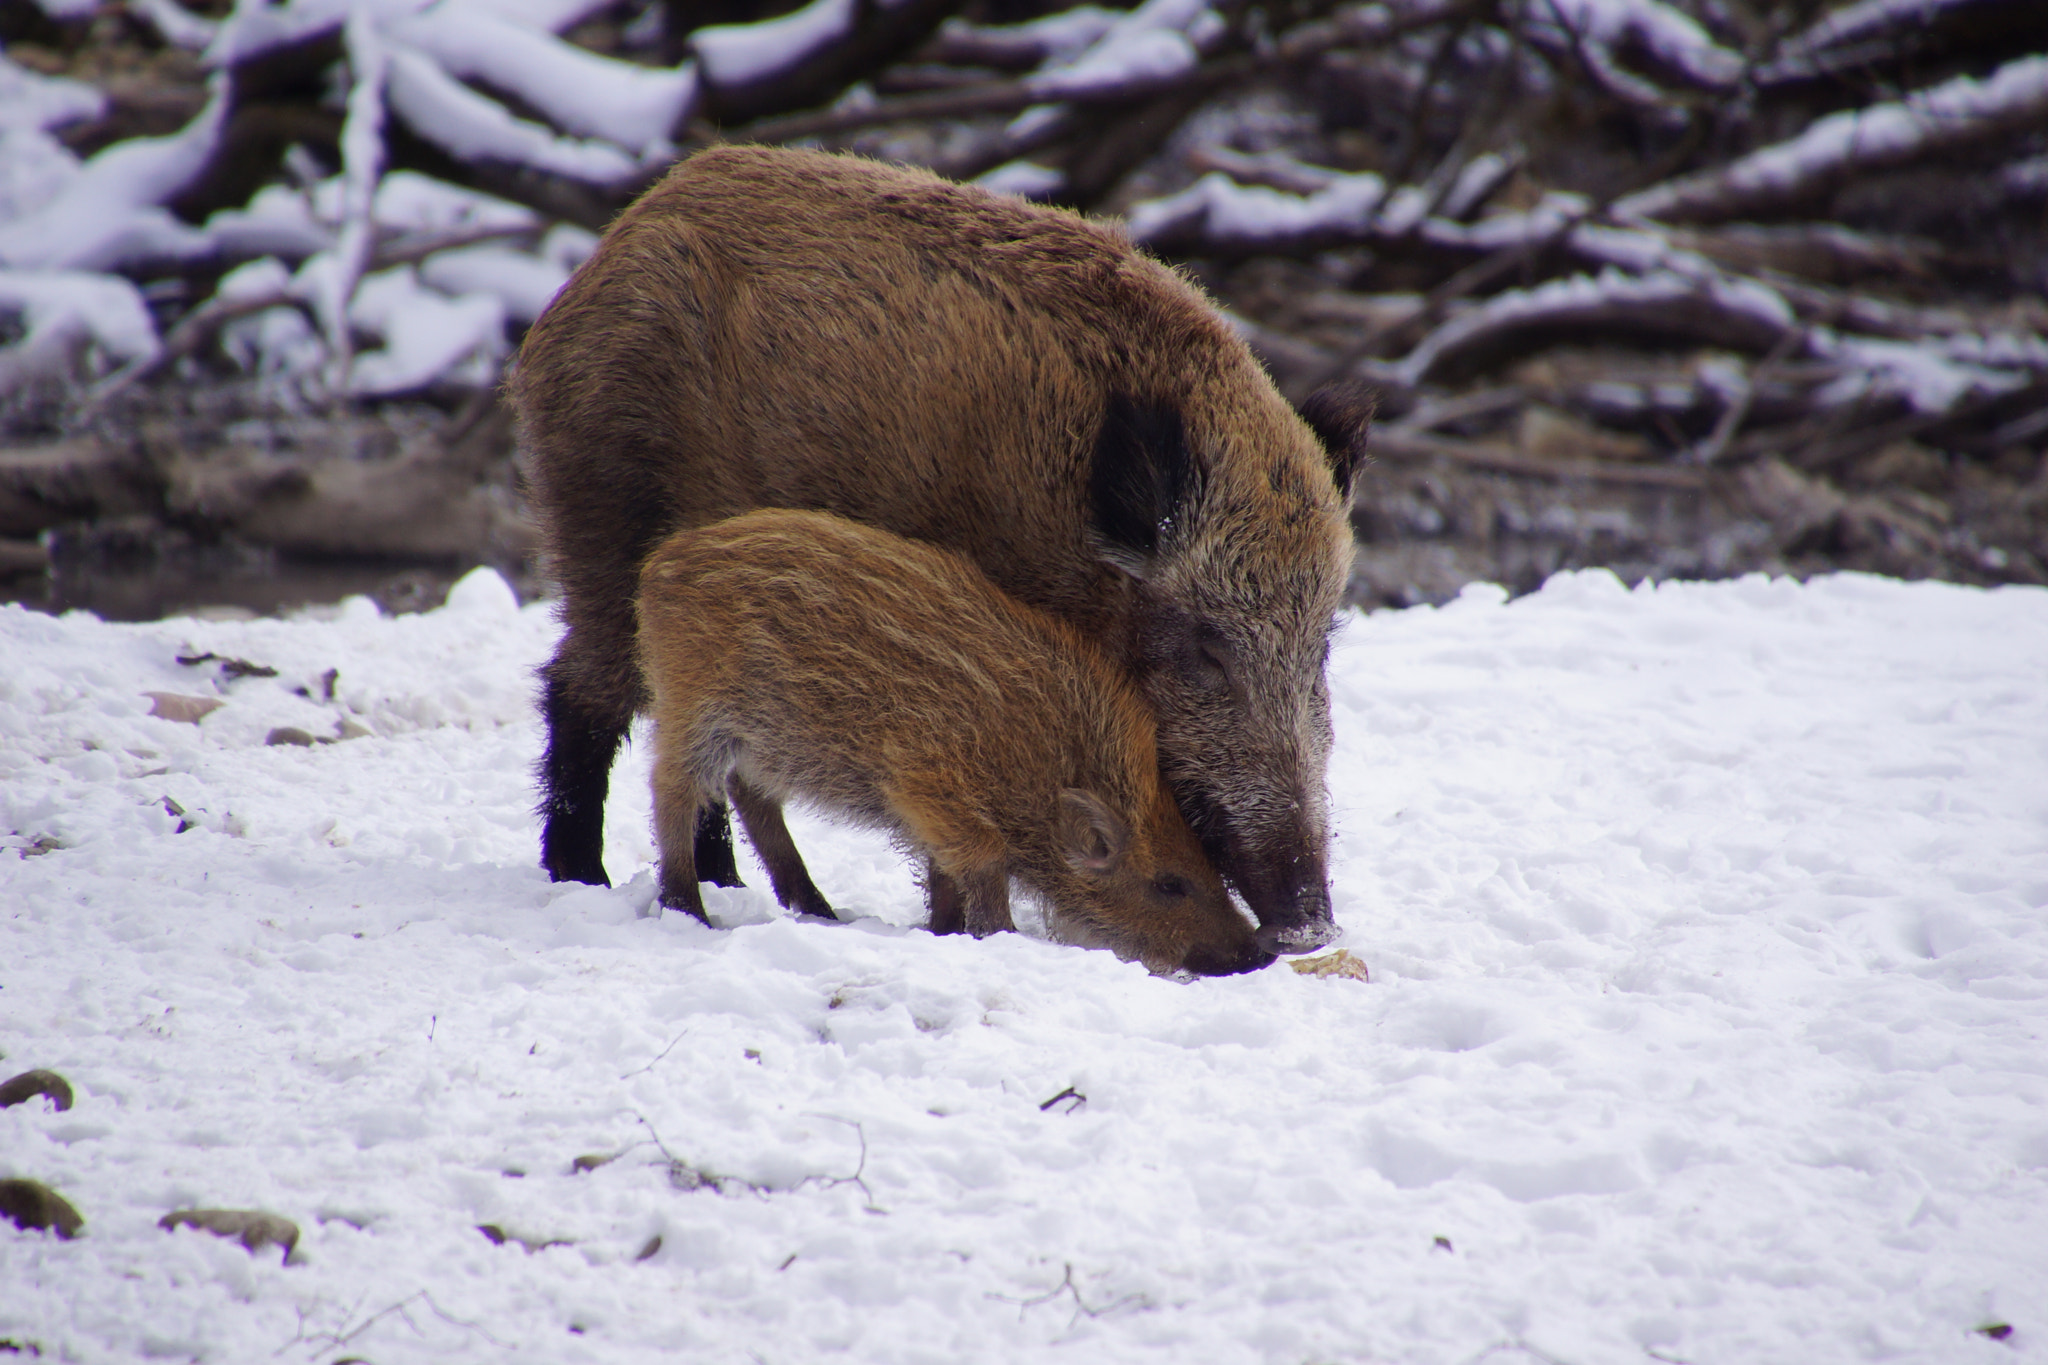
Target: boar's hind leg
{"points": [[761, 816], [976, 902], [678, 801]]}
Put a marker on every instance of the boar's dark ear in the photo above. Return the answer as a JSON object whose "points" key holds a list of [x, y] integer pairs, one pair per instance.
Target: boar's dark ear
{"points": [[1341, 417], [1092, 836], [1141, 480]]}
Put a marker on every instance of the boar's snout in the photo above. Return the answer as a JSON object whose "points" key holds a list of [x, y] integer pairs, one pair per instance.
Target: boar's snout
{"points": [[1291, 899], [1289, 893]]}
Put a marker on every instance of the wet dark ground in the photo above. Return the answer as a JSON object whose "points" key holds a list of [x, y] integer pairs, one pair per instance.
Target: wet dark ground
{"points": [[163, 576]]}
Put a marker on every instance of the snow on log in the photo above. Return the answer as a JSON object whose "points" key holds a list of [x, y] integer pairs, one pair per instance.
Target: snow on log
{"points": [[1158, 40], [475, 128], [1613, 35], [1944, 118], [580, 92], [807, 56], [1055, 38], [71, 319], [33, 101], [1874, 33], [427, 335], [111, 210], [278, 221], [523, 282], [1932, 374], [175, 24], [257, 26], [550, 16], [1217, 216], [747, 54], [1665, 306], [1025, 179]]}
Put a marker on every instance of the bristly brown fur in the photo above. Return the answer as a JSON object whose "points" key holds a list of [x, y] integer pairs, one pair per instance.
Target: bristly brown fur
{"points": [[777, 328], [816, 660]]}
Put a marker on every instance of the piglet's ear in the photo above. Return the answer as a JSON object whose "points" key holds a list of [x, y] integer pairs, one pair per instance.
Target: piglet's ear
{"points": [[1093, 838], [1143, 481], [1341, 417]]}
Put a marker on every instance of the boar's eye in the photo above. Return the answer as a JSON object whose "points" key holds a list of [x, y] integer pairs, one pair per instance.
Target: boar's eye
{"points": [[1207, 659], [1172, 887]]}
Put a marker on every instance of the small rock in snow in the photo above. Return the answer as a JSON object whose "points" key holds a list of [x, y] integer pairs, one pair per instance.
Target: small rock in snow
{"points": [[29, 1084], [31, 1205], [178, 706], [292, 734], [254, 1228]]}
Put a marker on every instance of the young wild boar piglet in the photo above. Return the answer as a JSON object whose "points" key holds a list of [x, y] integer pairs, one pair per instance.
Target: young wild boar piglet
{"points": [[797, 655]]}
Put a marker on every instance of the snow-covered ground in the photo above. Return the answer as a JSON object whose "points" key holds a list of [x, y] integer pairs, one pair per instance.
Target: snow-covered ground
{"points": [[1709, 1022]]}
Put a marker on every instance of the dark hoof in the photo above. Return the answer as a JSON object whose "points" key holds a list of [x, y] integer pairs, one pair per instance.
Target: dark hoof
{"points": [[589, 873]]}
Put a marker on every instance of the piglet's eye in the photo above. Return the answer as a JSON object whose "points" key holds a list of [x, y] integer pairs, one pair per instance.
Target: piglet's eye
{"points": [[1173, 887]]}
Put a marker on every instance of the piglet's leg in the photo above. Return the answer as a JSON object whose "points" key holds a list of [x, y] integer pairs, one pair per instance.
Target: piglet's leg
{"points": [[975, 902], [761, 817], [985, 897], [677, 803]]}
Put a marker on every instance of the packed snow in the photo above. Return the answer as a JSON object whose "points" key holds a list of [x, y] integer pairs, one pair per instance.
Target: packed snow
{"points": [[1707, 924]]}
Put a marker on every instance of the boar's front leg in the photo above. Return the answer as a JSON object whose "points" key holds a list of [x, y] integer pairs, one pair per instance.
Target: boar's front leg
{"points": [[761, 816]]}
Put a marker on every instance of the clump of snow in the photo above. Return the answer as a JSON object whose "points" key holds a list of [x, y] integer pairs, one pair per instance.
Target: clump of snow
{"points": [[1932, 375], [427, 335], [1159, 38], [581, 92], [274, 343], [410, 202], [1218, 206], [1668, 36], [476, 128], [1026, 179], [175, 24], [66, 316], [110, 211], [1055, 38], [549, 16], [34, 169], [523, 283], [1708, 928], [29, 99], [256, 26], [741, 54]]}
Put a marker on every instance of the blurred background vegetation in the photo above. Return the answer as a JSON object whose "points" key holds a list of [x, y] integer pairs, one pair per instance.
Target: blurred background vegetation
{"points": [[1679, 287]]}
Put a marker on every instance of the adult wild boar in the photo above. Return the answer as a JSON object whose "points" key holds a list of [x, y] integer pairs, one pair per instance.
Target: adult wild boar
{"points": [[775, 328], [800, 656]]}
